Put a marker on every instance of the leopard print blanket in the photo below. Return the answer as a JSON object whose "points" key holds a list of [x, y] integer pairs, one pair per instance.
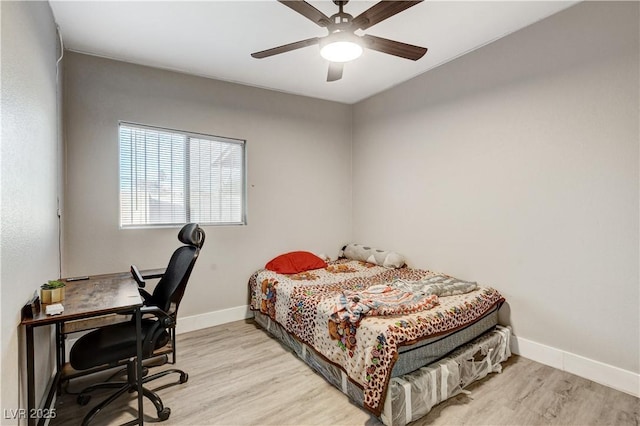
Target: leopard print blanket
{"points": [[303, 304]]}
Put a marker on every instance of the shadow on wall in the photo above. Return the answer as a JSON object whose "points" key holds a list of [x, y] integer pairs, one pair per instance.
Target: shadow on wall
{"points": [[504, 316], [519, 58]]}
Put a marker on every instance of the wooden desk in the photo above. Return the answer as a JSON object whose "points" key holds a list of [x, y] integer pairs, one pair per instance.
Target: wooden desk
{"points": [[99, 295]]}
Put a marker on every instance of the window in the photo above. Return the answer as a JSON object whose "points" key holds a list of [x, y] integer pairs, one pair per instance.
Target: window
{"points": [[169, 177]]}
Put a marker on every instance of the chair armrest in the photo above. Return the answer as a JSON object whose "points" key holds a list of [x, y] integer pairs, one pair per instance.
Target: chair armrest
{"points": [[163, 317], [151, 274], [147, 274], [135, 273], [164, 321]]}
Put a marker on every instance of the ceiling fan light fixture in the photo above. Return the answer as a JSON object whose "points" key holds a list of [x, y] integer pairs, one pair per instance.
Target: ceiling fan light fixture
{"points": [[341, 47]]}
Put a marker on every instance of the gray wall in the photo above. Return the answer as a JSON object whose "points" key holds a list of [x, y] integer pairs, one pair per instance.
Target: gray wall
{"points": [[30, 153], [299, 164], [517, 165]]}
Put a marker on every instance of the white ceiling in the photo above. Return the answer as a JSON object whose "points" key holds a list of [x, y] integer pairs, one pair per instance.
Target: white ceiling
{"points": [[215, 39]]}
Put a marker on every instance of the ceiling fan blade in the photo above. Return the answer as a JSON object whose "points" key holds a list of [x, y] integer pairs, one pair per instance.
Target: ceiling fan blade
{"points": [[395, 48], [286, 48], [381, 11], [335, 71], [308, 11]]}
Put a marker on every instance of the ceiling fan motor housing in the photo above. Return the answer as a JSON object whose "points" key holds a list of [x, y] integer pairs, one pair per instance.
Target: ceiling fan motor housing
{"points": [[340, 21]]}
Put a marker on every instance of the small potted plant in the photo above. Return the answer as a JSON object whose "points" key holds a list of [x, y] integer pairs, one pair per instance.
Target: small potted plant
{"points": [[52, 292]]}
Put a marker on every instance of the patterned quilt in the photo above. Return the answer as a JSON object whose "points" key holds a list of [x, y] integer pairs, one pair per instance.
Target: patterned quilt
{"points": [[365, 350]]}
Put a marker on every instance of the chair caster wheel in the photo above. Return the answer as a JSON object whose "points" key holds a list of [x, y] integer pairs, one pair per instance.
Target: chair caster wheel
{"points": [[184, 377], [164, 414], [83, 399]]}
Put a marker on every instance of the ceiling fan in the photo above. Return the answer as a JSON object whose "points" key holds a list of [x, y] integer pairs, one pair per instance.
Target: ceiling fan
{"points": [[342, 44]]}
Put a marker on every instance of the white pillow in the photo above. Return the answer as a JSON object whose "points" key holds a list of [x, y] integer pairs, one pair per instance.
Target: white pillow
{"points": [[388, 259]]}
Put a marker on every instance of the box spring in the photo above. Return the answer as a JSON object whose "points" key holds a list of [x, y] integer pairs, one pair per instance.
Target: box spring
{"points": [[412, 393]]}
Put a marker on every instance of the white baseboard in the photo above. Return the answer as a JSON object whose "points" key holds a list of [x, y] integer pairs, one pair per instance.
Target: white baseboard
{"points": [[209, 319], [599, 372]]}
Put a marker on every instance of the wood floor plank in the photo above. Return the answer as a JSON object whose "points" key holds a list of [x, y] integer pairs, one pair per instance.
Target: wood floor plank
{"points": [[238, 375]]}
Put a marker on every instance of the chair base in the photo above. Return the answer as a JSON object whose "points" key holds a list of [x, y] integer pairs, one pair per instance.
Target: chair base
{"points": [[129, 386]]}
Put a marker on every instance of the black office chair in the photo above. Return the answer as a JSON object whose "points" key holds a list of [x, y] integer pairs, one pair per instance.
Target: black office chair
{"points": [[116, 343]]}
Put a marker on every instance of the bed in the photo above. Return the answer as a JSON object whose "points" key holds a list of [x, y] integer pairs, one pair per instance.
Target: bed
{"points": [[396, 340]]}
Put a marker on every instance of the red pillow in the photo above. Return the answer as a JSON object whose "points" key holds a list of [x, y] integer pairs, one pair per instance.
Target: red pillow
{"points": [[295, 262]]}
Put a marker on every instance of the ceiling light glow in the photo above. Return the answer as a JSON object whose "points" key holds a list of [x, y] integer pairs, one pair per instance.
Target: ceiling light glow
{"points": [[341, 47]]}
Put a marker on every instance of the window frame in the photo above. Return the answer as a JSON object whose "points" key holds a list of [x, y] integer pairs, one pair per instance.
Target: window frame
{"points": [[187, 134]]}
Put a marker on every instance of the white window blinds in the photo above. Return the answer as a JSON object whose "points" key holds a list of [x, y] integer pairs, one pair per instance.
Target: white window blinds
{"points": [[169, 177]]}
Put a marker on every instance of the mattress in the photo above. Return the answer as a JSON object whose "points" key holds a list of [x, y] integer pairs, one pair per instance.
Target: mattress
{"points": [[363, 356]]}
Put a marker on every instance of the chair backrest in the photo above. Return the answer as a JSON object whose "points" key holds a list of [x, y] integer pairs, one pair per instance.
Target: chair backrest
{"points": [[170, 289]]}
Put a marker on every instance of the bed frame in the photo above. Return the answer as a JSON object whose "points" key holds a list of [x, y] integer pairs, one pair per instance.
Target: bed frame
{"points": [[481, 347]]}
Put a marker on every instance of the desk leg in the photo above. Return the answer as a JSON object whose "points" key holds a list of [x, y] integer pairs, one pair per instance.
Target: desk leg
{"points": [[56, 386], [31, 396], [139, 364], [60, 358], [60, 345]]}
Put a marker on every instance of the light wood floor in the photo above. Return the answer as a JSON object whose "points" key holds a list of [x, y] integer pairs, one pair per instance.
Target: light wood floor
{"points": [[240, 376]]}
